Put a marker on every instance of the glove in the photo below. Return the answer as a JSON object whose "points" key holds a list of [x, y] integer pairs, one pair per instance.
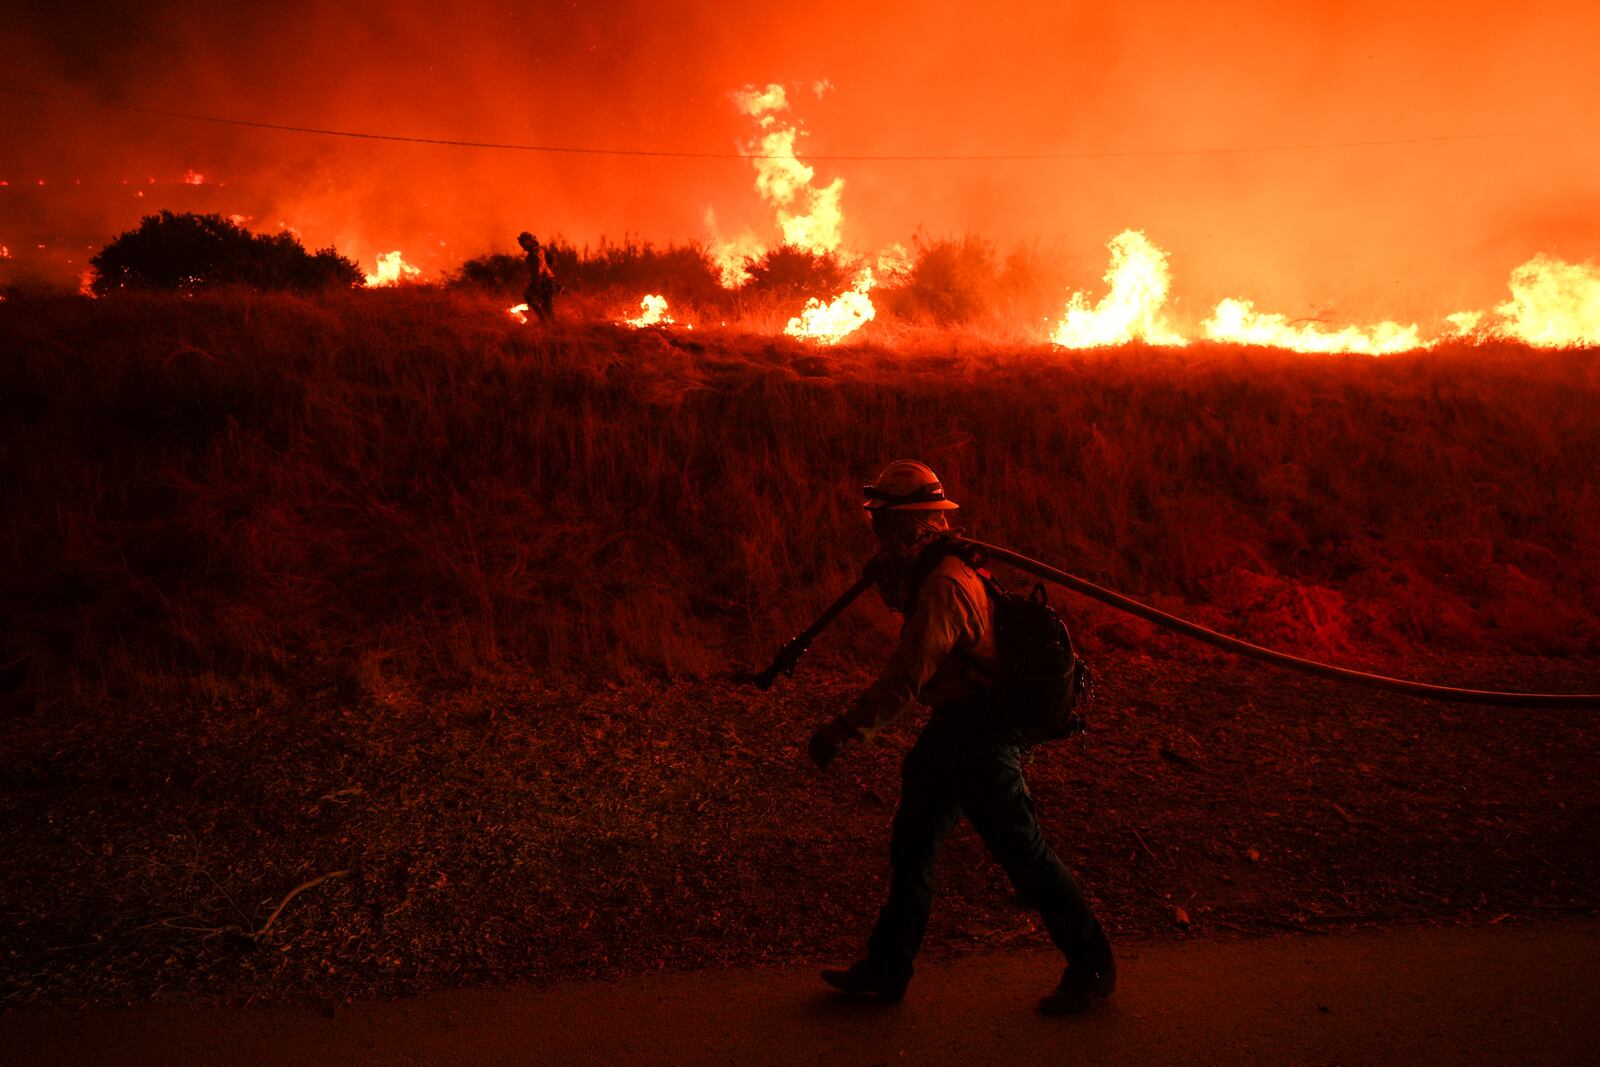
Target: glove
{"points": [[827, 741], [821, 750]]}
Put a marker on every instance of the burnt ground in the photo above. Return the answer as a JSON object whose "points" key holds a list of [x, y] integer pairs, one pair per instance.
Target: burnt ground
{"points": [[517, 830]]}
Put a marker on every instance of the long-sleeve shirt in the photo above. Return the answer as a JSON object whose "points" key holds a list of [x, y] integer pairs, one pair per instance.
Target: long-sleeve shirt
{"points": [[539, 267], [946, 648]]}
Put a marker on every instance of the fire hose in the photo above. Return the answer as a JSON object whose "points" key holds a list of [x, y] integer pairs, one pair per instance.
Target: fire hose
{"points": [[789, 655], [976, 552]]}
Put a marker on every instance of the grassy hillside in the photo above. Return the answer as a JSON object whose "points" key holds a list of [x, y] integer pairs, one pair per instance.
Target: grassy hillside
{"points": [[406, 484]]}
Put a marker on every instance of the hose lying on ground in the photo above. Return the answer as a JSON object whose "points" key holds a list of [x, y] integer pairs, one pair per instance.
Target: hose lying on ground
{"points": [[1281, 659]]}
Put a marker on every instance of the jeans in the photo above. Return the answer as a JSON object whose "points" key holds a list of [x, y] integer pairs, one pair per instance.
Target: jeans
{"points": [[962, 764]]}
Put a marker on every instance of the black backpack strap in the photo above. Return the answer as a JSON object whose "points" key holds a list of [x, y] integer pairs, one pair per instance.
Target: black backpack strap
{"points": [[933, 553]]}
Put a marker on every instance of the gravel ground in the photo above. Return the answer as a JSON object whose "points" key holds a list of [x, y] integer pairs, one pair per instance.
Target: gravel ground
{"points": [[518, 830]]}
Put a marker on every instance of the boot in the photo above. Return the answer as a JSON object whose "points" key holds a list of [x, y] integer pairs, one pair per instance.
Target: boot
{"points": [[866, 979], [1079, 988]]}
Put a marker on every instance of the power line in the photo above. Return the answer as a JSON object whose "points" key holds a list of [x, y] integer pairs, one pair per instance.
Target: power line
{"points": [[1007, 157]]}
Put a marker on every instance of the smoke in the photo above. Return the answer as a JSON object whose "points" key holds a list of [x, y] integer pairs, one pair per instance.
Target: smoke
{"points": [[1397, 231]]}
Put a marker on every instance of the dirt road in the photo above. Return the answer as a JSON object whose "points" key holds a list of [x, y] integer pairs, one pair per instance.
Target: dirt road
{"points": [[1501, 994]]}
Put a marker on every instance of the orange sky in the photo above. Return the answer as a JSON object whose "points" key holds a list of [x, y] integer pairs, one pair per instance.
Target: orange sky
{"points": [[1411, 231]]}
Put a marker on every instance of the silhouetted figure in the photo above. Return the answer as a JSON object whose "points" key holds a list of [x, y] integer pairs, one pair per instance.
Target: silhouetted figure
{"points": [[967, 760], [540, 296]]}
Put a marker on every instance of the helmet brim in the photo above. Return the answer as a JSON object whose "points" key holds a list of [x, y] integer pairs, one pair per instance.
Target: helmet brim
{"points": [[926, 505]]}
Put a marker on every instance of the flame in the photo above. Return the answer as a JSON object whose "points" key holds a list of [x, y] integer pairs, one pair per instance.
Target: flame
{"points": [[1238, 322], [760, 103], [5, 253], [809, 217], [392, 270], [1553, 303], [518, 313], [1132, 310], [729, 255], [730, 259], [894, 263], [652, 312], [193, 177], [830, 323]]}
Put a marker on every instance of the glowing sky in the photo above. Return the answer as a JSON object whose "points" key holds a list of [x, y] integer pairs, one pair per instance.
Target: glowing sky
{"points": [[1400, 230]]}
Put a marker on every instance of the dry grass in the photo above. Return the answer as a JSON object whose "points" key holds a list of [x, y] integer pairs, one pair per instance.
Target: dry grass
{"points": [[402, 484], [345, 498]]}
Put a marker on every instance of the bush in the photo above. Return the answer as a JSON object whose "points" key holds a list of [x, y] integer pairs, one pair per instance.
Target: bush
{"points": [[951, 281], [788, 271], [1035, 281], [678, 270], [682, 272], [496, 272], [189, 251]]}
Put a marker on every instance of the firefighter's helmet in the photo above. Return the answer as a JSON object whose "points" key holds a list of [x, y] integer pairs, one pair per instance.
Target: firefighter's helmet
{"points": [[906, 485]]}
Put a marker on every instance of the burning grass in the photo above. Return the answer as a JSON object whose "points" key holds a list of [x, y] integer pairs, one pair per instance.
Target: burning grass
{"points": [[407, 484]]}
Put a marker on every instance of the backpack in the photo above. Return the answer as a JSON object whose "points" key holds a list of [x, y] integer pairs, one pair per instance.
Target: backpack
{"points": [[1041, 677]]}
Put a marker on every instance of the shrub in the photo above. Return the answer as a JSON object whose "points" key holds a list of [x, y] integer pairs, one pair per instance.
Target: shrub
{"points": [[679, 271], [189, 251], [1034, 281], [793, 272], [950, 282], [495, 271]]}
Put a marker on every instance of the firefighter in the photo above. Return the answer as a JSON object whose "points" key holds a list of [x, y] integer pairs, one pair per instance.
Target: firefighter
{"points": [[966, 761], [540, 296]]}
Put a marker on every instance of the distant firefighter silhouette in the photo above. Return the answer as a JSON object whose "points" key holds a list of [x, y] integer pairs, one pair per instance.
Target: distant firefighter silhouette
{"points": [[540, 296], [953, 655]]}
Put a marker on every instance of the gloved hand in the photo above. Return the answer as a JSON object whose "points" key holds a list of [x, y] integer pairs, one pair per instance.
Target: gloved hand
{"points": [[826, 742], [821, 750]]}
